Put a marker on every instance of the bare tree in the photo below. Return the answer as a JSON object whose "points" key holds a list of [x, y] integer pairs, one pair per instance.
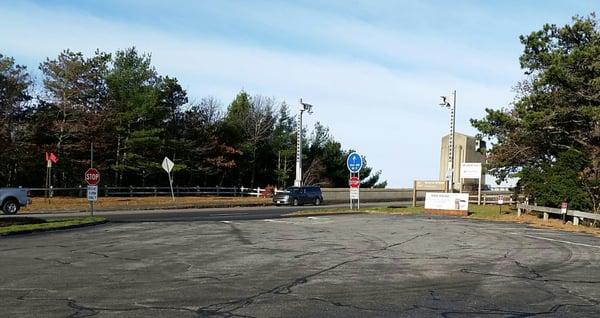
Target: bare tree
{"points": [[258, 127]]}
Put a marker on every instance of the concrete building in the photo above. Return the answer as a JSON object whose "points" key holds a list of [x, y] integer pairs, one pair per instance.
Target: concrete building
{"points": [[465, 150]]}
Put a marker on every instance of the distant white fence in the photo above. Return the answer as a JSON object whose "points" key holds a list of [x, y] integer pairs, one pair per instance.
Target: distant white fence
{"points": [[107, 191], [577, 215]]}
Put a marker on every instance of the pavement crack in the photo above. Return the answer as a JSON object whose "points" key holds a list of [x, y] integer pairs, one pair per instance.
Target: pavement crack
{"points": [[283, 289], [99, 254], [306, 254], [88, 311], [238, 233], [529, 269], [340, 304], [583, 297], [537, 279], [52, 260], [80, 311], [405, 241]]}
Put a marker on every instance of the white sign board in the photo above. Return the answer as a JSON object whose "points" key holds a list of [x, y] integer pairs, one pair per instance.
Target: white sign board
{"points": [[447, 201], [167, 164], [92, 193], [354, 193], [500, 199], [470, 170]]}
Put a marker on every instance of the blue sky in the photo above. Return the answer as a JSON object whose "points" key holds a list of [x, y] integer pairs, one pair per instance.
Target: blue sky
{"points": [[373, 69]]}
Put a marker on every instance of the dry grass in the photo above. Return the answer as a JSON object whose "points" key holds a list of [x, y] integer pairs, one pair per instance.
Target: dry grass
{"points": [[536, 221], [69, 204]]}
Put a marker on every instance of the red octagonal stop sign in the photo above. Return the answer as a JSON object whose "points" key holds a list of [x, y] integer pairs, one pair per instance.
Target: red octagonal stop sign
{"points": [[92, 176]]}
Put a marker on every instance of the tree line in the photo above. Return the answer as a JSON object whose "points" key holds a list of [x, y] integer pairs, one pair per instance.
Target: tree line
{"points": [[550, 136], [135, 117]]}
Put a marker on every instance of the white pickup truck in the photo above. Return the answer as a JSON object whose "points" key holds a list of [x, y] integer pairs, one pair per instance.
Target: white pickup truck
{"points": [[12, 199]]}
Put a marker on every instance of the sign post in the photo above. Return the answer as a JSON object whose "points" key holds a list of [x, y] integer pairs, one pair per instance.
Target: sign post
{"points": [[563, 210], [168, 165], [500, 202], [354, 163], [92, 178]]}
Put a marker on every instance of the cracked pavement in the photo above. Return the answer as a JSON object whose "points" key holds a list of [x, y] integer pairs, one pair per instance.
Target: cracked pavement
{"points": [[334, 266]]}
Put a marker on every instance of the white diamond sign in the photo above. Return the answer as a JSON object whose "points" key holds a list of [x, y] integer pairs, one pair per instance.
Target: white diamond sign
{"points": [[167, 164]]}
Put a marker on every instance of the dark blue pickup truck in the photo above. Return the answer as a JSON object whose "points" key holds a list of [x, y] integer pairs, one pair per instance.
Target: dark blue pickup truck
{"points": [[12, 199]]}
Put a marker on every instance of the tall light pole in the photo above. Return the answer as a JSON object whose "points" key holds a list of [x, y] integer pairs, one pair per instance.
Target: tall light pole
{"points": [[450, 103], [308, 108]]}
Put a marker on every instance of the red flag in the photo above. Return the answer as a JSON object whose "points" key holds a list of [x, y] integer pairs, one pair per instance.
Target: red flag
{"points": [[53, 158]]}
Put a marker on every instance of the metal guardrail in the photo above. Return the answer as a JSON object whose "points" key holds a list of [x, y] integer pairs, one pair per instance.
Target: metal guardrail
{"points": [[107, 191], [577, 215]]}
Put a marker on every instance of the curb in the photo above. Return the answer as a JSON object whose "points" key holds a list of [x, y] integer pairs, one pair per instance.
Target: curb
{"points": [[54, 229]]}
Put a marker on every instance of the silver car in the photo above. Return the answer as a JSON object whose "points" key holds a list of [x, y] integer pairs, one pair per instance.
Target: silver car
{"points": [[12, 199]]}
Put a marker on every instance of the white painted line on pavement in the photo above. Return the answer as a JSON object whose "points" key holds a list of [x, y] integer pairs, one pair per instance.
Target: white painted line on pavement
{"points": [[560, 241], [276, 221], [227, 214], [226, 222]]}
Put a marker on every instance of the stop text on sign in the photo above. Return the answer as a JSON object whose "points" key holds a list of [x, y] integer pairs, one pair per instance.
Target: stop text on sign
{"points": [[92, 176]]}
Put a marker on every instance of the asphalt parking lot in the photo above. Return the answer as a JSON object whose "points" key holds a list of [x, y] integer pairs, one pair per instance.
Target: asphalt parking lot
{"points": [[335, 266]]}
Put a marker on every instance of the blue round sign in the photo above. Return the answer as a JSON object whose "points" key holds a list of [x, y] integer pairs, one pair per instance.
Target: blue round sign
{"points": [[354, 162]]}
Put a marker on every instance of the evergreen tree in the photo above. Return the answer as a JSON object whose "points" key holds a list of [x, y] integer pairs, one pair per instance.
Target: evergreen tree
{"points": [[15, 86], [556, 115]]}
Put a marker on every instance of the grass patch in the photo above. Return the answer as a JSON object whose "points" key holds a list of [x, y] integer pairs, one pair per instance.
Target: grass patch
{"points": [[490, 212], [17, 225]]}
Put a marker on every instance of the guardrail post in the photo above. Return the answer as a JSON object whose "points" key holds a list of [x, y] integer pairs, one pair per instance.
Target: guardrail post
{"points": [[154, 188], [234, 191], [218, 191], [518, 211], [130, 191], [546, 216], [197, 190], [80, 191], [258, 192], [575, 220]]}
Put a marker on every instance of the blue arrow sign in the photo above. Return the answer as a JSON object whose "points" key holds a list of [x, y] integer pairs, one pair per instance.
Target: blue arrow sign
{"points": [[354, 162]]}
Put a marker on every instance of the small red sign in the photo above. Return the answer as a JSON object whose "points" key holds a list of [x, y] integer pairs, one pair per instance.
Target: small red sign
{"points": [[92, 176], [563, 205], [354, 182]]}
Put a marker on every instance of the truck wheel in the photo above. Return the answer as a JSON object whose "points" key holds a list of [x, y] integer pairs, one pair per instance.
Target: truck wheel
{"points": [[317, 201], [295, 202], [10, 206]]}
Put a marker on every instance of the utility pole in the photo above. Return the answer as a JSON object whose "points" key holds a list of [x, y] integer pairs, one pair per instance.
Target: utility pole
{"points": [[450, 103], [308, 108]]}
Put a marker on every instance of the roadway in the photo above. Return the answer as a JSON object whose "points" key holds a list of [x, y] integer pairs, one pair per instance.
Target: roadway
{"points": [[209, 214]]}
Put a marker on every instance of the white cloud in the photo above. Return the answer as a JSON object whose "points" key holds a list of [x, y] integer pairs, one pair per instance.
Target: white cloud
{"points": [[390, 115]]}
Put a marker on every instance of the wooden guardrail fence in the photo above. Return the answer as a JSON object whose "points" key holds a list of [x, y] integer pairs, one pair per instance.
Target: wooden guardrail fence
{"points": [[577, 215]]}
